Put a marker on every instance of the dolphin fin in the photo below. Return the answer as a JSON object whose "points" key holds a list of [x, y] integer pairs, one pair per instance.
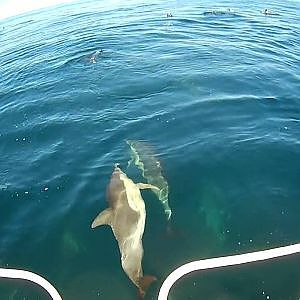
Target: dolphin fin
{"points": [[144, 283], [104, 218], [129, 163], [143, 186]]}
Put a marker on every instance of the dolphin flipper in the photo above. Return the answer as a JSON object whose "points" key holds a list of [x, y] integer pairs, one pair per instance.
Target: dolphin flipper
{"points": [[143, 186], [129, 163], [104, 218]]}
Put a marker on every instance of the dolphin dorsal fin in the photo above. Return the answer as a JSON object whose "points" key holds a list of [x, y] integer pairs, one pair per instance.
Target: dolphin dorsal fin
{"points": [[104, 218]]}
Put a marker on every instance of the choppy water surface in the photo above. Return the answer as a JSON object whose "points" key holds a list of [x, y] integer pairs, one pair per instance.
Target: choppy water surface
{"points": [[216, 96]]}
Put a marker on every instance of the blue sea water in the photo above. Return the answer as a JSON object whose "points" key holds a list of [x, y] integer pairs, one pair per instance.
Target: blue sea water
{"points": [[216, 96]]}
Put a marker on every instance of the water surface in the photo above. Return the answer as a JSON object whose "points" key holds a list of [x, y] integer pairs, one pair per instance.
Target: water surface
{"points": [[217, 97]]}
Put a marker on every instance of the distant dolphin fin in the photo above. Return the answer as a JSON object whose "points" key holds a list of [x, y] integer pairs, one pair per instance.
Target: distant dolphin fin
{"points": [[143, 186], [144, 283], [104, 218]]}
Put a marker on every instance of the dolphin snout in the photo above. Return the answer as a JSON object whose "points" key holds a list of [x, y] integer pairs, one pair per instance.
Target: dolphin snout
{"points": [[117, 168]]}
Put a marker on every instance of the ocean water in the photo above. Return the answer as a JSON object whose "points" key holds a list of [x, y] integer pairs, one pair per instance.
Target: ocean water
{"points": [[216, 96]]}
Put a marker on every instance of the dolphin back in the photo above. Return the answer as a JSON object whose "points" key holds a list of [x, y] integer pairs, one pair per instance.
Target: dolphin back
{"points": [[126, 216]]}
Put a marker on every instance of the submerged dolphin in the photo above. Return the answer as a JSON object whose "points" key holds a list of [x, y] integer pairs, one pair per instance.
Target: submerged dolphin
{"points": [[126, 215], [145, 159]]}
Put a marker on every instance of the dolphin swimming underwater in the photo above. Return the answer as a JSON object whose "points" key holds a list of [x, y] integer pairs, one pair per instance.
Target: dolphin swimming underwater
{"points": [[126, 215], [145, 159]]}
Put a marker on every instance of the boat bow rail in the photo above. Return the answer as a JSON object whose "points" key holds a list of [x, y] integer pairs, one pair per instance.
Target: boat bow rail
{"points": [[203, 264], [30, 276]]}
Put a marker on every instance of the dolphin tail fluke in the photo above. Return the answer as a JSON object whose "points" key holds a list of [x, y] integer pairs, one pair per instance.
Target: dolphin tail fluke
{"points": [[144, 284], [104, 218]]}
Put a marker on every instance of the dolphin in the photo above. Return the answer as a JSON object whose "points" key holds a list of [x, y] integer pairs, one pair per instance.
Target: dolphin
{"points": [[93, 57], [269, 12], [217, 12], [126, 216], [145, 159]]}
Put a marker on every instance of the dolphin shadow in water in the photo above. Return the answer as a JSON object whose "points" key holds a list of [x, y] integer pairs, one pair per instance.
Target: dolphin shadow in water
{"points": [[126, 216]]}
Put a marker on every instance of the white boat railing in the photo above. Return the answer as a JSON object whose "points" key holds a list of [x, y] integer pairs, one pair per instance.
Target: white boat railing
{"points": [[224, 261], [178, 273], [26, 275]]}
